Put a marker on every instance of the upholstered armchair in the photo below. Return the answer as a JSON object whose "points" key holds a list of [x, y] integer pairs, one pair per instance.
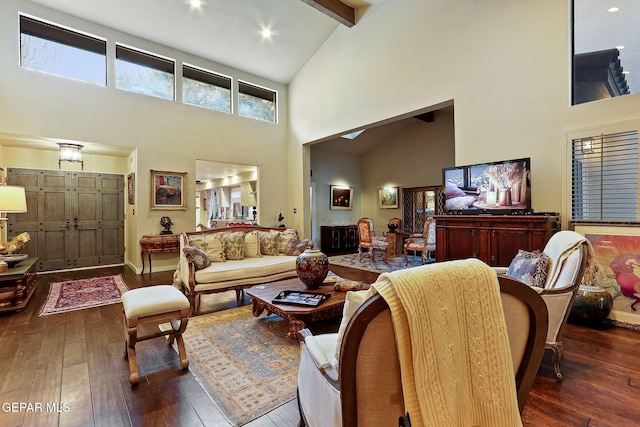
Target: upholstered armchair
{"points": [[367, 240], [568, 255], [424, 242], [364, 386]]}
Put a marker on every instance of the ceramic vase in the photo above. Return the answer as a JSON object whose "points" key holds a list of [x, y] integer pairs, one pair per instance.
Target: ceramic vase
{"points": [[312, 267], [592, 304]]}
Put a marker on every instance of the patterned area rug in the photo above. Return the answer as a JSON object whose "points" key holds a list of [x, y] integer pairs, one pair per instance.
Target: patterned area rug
{"points": [[245, 363], [378, 265], [83, 293]]}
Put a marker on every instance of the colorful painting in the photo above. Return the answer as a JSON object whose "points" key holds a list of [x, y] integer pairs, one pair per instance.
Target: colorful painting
{"points": [[388, 198], [617, 252], [168, 190], [341, 198]]}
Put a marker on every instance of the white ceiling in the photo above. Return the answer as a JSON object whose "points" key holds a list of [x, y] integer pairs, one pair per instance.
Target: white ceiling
{"points": [[224, 31]]}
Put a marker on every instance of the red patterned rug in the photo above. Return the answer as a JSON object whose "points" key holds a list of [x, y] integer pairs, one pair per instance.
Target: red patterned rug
{"points": [[83, 293]]}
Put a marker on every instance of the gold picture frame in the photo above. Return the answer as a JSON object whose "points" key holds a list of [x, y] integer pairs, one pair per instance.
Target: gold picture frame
{"points": [[168, 190]]}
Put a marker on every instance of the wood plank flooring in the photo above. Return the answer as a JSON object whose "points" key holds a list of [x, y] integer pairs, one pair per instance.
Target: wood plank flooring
{"points": [[74, 362]]}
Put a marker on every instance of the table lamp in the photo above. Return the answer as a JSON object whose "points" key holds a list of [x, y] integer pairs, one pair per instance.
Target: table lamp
{"points": [[12, 200]]}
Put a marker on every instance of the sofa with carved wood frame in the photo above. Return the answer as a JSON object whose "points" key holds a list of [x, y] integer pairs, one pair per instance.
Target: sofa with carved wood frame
{"points": [[256, 266]]}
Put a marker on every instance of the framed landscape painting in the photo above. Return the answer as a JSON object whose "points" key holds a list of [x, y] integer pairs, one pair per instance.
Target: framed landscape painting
{"points": [[341, 198], [617, 261], [168, 190], [388, 198]]}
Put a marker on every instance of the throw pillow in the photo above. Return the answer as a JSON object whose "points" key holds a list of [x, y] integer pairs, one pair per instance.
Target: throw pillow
{"points": [[353, 300], [285, 237], [251, 245], [530, 268], [295, 247], [233, 245], [197, 256], [269, 242], [459, 203], [211, 244], [452, 190]]}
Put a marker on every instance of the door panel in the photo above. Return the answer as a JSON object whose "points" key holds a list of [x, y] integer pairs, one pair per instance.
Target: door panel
{"points": [[75, 219]]}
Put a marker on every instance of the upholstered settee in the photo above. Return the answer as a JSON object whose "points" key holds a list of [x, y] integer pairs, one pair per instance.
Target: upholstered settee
{"points": [[235, 258]]}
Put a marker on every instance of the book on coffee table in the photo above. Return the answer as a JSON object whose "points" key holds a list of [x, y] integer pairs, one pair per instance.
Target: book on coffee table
{"points": [[307, 299]]}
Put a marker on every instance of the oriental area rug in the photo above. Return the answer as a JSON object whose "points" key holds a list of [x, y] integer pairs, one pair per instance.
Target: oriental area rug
{"points": [[84, 293], [244, 363], [377, 265]]}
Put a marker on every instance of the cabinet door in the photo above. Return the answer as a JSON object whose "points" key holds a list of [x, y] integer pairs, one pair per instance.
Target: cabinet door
{"points": [[336, 239], [351, 236], [457, 243], [505, 244]]}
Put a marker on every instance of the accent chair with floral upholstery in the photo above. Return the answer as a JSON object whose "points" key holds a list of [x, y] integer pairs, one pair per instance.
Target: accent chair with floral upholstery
{"points": [[424, 242], [367, 240]]}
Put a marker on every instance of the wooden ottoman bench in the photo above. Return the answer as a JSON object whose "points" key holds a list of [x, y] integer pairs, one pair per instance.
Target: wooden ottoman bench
{"points": [[154, 305]]}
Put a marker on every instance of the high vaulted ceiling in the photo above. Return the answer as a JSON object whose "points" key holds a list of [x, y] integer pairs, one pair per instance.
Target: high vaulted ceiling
{"points": [[224, 31]]}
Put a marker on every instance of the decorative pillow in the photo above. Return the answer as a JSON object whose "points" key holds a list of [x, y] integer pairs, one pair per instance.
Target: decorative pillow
{"points": [[269, 242], [459, 203], [295, 247], [285, 237], [233, 245], [197, 256], [452, 190], [530, 268], [251, 245], [211, 244], [353, 300]]}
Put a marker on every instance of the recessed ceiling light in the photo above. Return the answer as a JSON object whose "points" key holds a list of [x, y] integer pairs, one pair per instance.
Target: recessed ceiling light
{"points": [[195, 3], [266, 33], [613, 9]]}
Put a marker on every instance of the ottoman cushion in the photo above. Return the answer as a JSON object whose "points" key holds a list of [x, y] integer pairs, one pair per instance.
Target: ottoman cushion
{"points": [[152, 300]]}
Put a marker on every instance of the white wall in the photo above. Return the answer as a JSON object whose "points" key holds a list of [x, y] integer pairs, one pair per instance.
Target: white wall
{"points": [[169, 136], [505, 63]]}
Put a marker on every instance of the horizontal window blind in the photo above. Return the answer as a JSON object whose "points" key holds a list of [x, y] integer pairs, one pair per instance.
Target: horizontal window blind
{"points": [[605, 177], [144, 59], [62, 35], [256, 91], [206, 77]]}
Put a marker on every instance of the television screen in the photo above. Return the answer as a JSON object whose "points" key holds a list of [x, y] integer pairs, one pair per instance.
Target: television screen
{"points": [[498, 187]]}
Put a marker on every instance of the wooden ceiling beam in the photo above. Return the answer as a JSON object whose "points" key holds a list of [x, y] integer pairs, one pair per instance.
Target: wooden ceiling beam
{"points": [[337, 10]]}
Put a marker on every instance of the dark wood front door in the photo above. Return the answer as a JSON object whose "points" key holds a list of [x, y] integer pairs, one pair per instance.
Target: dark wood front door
{"points": [[75, 219]]}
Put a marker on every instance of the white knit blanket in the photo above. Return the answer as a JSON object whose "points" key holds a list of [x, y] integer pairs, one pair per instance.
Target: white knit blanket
{"points": [[453, 345]]}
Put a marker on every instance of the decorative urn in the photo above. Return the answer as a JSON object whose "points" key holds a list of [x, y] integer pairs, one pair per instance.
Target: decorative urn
{"points": [[591, 305], [392, 227], [312, 267]]}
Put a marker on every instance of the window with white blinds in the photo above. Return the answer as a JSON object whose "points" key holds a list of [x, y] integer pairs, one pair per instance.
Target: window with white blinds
{"points": [[604, 184]]}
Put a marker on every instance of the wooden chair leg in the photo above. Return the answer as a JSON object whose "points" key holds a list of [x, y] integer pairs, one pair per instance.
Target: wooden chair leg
{"points": [[131, 329]]}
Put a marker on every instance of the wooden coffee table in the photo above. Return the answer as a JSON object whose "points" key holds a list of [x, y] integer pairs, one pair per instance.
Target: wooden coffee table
{"points": [[261, 296]]}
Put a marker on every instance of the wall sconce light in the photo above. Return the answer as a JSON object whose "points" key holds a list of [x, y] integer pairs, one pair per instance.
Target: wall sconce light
{"points": [[70, 153]]}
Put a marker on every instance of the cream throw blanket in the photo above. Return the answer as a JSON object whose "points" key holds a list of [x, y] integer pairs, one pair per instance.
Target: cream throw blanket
{"points": [[453, 345]]}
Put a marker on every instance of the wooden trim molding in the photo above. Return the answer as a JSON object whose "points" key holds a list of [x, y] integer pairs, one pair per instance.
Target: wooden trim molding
{"points": [[341, 12]]}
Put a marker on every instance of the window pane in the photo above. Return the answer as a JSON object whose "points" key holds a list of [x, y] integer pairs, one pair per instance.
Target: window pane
{"points": [[256, 102], [206, 89], [606, 51], [605, 177], [62, 59], [144, 73]]}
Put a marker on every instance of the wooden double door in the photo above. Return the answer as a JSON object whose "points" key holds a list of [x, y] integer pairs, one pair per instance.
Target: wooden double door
{"points": [[75, 219]]}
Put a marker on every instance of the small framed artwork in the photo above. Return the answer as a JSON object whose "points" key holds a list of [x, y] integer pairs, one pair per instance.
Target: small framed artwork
{"points": [[341, 197], [131, 188], [616, 246], [168, 190], [388, 198]]}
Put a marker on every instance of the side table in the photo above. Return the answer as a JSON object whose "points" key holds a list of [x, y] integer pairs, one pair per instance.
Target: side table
{"points": [[158, 243], [395, 242], [17, 285]]}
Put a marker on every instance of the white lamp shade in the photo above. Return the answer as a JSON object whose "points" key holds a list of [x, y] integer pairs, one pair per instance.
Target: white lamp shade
{"points": [[12, 199]]}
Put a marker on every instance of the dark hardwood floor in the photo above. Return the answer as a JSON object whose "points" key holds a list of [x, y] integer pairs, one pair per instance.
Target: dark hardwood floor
{"points": [[75, 360]]}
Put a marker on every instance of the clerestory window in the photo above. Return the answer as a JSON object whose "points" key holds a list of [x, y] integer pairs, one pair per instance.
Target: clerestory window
{"points": [[144, 73], [62, 51], [257, 102], [206, 89]]}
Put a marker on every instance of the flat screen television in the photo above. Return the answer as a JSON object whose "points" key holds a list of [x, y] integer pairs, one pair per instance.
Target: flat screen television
{"points": [[502, 188]]}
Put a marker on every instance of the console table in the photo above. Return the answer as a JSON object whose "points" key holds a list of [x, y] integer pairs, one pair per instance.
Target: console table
{"points": [[338, 239], [494, 239], [17, 285], [158, 243]]}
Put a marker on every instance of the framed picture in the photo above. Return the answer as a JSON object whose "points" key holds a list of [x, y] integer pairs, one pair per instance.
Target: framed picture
{"points": [[617, 261], [131, 188], [341, 198], [168, 190], [388, 198]]}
